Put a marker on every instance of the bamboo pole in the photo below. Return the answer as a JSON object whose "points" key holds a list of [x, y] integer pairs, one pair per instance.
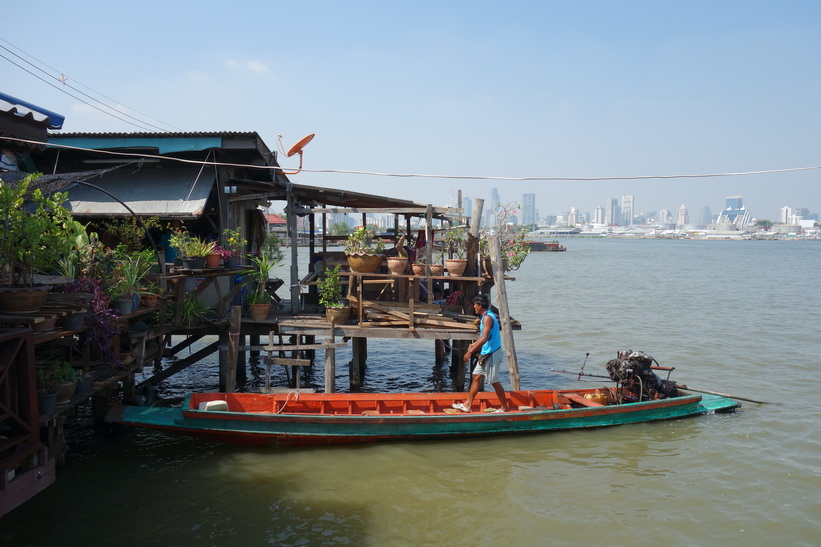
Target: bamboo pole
{"points": [[504, 312]]}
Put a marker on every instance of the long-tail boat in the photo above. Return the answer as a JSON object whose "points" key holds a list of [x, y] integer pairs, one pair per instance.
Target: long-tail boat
{"points": [[306, 419]]}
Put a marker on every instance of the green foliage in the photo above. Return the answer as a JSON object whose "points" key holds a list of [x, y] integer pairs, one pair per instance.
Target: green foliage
{"points": [[60, 372], [272, 248], [198, 247], [339, 229], [514, 248], [456, 239], [330, 288], [192, 310], [361, 241], [259, 278], [129, 232], [233, 241], [34, 238]]}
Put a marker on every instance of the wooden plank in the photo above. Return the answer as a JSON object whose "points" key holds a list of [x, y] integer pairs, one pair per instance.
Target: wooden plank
{"points": [[504, 312], [286, 362], [576, 398]]}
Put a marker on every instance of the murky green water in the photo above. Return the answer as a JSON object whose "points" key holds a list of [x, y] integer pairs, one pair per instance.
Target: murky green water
{"points": [[731, 316]]}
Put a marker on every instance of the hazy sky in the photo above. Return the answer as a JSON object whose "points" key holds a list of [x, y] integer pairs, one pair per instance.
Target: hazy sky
{"points": [[484, 88]]}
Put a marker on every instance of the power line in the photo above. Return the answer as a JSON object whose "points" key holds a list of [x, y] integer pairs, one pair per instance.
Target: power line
{"points": [[63, 80], [421, 175]]}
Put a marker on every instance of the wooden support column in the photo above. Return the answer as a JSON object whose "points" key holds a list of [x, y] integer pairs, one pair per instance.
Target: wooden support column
{"points": [[504, 311], [458, 363], [330, 363], [292, 228], [439, 352], [359, 348], [228, 377], [472, 270]]}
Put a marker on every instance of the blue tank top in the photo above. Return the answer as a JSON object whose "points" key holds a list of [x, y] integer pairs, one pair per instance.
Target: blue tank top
{"points": [[494, 341]]}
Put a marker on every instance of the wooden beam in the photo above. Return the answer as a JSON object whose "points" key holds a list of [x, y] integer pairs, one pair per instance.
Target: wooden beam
{"points": [[504, 312]]}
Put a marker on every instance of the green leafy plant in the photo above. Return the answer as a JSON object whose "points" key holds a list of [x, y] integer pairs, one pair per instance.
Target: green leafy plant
{"points": [[198, 247], [259, 278], [129, 232], [362, 241], [456, 241], [330, 288], [514, 248], [233, 241], [33, 238], [192, 310], [60, 372]]}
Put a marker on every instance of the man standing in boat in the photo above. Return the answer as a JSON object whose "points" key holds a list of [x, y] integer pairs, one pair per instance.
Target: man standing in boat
{"points": [[488, 346]]}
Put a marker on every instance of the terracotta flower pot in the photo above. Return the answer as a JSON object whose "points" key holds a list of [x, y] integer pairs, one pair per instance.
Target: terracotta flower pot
{"points": [[258, 312], [339, 316], [13, 299], [418, 269], [456, 266], [213, 260], [397, 265], [364, 263], [437, 269]]}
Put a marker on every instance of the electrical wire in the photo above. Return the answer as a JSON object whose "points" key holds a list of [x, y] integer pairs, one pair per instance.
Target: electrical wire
{"points": [[63, 80], [407, 175]]}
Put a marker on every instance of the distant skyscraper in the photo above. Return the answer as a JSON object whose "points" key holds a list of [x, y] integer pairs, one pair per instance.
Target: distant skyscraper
{"points": [[786, 214], [734, 212], [495, 200], [627, 209], [664, 216], [683, 216], [612, 212], [598, 215], [573, 217], [705, 217], [528, 209]]}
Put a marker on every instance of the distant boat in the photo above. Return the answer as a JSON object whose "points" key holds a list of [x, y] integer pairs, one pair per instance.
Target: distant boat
{"points": [[552, 246], [309, 419]]}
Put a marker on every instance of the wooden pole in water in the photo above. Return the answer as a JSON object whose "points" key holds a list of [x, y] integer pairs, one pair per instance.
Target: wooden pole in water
{"points": [[504, 312], [330, 362], [229, 379]]}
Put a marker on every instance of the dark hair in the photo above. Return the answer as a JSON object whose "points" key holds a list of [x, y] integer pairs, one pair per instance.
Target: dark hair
{"points": [[482, 300]]}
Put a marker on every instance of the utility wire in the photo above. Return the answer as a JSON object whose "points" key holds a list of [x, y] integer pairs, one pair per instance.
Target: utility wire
{"points": [[415, 175], [63, 80]]}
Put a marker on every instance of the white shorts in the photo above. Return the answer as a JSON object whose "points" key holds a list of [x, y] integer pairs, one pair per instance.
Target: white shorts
{"points": [[490, 370]]}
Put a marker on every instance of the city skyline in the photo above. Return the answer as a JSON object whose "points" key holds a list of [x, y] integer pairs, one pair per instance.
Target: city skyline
{"points": [[414, 106]]}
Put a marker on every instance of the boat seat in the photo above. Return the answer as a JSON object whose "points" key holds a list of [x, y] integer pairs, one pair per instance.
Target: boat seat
{"points": [[214, 405]]}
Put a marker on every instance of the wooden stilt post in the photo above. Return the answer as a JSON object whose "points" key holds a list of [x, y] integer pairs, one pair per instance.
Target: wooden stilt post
{"points": [[330, 363], [228, 379], [504, 312], [358, 347]]}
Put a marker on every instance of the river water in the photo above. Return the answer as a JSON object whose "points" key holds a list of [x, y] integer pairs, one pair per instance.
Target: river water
{"points": [[740, 317]]}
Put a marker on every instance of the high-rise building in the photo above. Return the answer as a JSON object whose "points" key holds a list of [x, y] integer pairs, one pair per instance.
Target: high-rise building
{"points": [[705, 217], [683, 216], [786, 214], [627, 209], [573, 217], [612, 212], [734, 212], [528, 209], [598, 215]]}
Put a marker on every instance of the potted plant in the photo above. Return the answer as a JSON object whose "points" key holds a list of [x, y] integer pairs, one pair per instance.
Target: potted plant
{"points": [[33, 239], [363, 253], [195, 250], [149, 295], [456, 246], [330, 296], [60, 378], [127, 277], [233, 246], [398, 264], [192, 310], [258, 299]]}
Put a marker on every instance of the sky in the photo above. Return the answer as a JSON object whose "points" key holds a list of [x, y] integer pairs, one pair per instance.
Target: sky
{"points": [[513, 89]]}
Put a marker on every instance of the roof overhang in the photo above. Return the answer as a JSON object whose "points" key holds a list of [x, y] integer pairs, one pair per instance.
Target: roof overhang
{"points": [[167, 193], [22, 120]]}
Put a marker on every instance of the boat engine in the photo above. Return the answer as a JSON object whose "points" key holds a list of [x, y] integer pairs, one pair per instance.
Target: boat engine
{"points": [[632, 370]]}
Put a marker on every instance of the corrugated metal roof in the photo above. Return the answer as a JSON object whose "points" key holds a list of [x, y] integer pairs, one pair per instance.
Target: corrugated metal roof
{"points": [[37, 115], [167, 193]]}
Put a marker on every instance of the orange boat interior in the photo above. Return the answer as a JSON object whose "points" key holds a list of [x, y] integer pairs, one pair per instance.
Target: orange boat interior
{"points": [[392, 404]]}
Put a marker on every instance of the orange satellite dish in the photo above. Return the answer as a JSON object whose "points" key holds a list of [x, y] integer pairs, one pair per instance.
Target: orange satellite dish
{"points": [[296, 149]]}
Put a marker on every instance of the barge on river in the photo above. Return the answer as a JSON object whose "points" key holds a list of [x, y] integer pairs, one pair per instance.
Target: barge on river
{"points": [[309, 419]]}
